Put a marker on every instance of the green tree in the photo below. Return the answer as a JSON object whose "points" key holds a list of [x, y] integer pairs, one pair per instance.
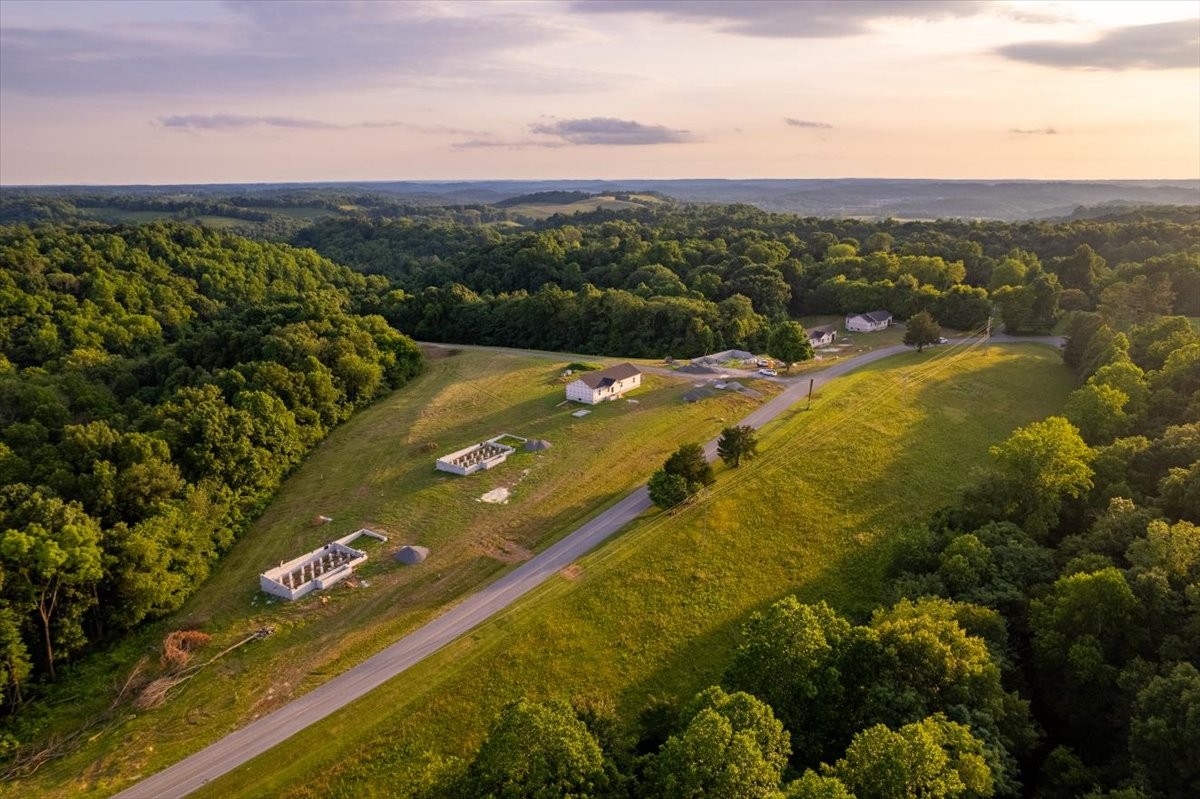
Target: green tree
{"points": [[812, 667], [1099, 412], [536, 751], [1164, 735], [1084, 630], [1040, 465], [921, 329], [668, 490], [789, 343], [690, 463], [737, 443], [51, 553], [929, 759], [732, 746]]}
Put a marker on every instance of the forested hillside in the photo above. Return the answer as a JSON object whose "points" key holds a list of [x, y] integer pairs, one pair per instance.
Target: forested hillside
{"points": [[156, 385], [684, 281]]}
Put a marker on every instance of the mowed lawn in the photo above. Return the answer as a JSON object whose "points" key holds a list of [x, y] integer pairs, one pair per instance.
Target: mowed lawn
{"points": [[655, 612], [378, 471]]}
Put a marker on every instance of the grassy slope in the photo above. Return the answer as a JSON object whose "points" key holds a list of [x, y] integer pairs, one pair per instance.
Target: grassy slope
{"points": [[371, 472], [544, 210], [656, 611]]}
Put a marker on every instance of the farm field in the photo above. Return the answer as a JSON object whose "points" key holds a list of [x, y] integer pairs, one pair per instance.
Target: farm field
{"points": [[655, 612], [378, 471], [545, 210]]}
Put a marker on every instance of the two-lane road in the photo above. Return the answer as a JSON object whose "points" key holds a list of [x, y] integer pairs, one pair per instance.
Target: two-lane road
{"points": [[262, 734]]}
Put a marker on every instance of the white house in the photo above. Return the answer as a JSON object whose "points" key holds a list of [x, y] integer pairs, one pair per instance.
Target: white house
{"points": [[868, 322], [823, 336], [604, 385]]}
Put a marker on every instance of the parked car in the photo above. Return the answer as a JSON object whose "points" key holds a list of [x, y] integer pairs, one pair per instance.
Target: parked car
{"points": [[943, 340], [761, 362], [768, 372]]}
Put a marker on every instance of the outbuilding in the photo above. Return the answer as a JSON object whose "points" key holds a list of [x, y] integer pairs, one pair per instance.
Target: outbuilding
{"points": [[822, 336]]}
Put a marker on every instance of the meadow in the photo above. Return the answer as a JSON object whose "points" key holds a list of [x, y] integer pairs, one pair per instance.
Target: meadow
{"points": [[377, 471], [654, 614]]}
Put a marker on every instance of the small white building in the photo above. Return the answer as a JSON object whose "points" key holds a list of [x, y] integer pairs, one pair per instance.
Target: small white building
{"points": [[605, 385], [822, 336], [868, 322]]}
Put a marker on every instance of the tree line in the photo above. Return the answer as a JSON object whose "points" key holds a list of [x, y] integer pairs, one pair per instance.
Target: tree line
{"points": [[688, 280], [157, 383]]}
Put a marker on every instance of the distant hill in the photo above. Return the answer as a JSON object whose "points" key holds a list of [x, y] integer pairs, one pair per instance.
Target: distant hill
{"points": [[1008, 200]]}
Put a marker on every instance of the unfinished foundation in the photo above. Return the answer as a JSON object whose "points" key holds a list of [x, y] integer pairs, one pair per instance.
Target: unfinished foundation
{"points": [[478, 457], [316, 570]]}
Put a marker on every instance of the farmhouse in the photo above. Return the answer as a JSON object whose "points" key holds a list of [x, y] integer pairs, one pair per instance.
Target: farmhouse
{"points": [[868, 322], [607, 384], [823, 336]]}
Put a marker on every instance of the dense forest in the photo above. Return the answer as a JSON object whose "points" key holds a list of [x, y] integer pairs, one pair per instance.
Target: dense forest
{"points": [[685, 281], [156, 385], [158, 382], [1043, 637]]}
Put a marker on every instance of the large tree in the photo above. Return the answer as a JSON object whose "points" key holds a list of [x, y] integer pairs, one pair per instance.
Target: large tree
{"points": [[690, 463], [1040, 465], [732, 746], [51, 554], [737, 443], [536, 751], [930, 759], [921, 329], [789, 343]]}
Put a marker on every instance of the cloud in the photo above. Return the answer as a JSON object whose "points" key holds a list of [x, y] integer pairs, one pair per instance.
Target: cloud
{"points": [[806, 123], [1165, 45], [224, 122], [1034, 131], [606, 130], [814, 19], [269, 47], [515, 144], [239, 122]]}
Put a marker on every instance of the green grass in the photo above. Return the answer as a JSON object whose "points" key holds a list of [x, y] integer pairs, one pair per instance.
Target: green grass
{"points": [[656, 611], [378, 471], [544, 210]]}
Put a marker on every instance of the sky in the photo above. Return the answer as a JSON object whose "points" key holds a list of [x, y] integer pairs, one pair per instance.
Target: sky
{"points": [[102, 92]]}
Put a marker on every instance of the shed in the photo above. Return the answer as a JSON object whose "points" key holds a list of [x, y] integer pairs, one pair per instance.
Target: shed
{"points": [[411, 555], [536, 445]]}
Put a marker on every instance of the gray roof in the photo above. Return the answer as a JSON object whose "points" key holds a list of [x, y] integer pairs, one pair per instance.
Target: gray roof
{"points": [[822, 330], [606, 377], [875, 316], [410, 555]]}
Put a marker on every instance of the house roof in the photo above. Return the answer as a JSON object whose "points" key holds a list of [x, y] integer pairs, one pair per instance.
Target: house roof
{"points": [[606, 377], [874, 316], [822, 331]]}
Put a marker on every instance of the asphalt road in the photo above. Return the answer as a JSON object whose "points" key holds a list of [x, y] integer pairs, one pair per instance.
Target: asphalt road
{"points": [[262, 734]]}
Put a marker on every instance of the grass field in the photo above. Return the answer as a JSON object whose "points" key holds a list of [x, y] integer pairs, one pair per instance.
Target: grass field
{"points": [[655, 612], [378, 471], [544, 210]]}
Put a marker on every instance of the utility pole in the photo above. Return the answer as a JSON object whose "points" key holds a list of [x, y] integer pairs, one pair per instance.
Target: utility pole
{"points": [[810, 389], [988, 334]]}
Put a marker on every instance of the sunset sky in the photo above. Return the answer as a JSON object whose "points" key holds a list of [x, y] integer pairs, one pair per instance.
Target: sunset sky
{"points": [[190, 92]]}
